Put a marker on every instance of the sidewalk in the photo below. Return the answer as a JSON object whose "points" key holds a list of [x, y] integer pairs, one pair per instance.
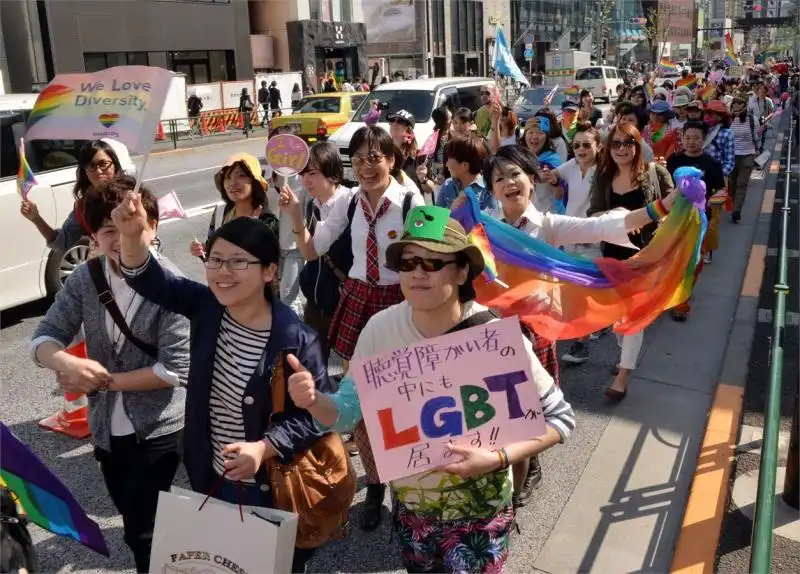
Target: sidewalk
{"points": [[186, 145], [627, 510]]}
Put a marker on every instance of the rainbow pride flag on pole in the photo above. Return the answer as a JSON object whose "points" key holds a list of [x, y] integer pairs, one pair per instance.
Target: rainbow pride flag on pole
{"points": [[730, 52], [689, 81], [565, 297], [650, 92], [42, 496], [25, 178]]}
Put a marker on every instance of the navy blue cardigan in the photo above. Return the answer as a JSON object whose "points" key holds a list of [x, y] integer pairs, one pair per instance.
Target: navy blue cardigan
{"points": [[291, 432]]}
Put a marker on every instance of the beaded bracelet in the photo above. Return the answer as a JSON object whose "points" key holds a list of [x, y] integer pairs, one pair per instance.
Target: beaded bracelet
{"points": [[503, 456]]}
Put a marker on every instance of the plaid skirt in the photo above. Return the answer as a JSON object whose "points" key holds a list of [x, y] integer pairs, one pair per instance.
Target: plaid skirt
{"points": [[545, 350], [357, 303]]}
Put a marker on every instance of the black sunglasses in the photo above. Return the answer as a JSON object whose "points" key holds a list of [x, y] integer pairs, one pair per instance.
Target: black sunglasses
{"points": [[584, 145], [619, 144], [428, 265]]}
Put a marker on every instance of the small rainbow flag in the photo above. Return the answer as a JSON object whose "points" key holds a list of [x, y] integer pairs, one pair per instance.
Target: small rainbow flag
{"points": [[707, 93], [650, 92], [665, 65], [25, 178], [730, 52], [689, 81], [43, 497], [477, 237], [574, 90]]}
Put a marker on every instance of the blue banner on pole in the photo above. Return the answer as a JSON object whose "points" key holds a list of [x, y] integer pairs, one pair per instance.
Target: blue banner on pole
{"points": [[503, 60]]}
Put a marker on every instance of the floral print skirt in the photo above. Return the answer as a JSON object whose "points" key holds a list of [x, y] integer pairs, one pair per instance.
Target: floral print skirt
{"points": [[428, 544]]}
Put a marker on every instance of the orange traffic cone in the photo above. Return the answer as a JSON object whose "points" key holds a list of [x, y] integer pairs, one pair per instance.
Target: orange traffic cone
{"points": [[160, 137], [72, 420]]}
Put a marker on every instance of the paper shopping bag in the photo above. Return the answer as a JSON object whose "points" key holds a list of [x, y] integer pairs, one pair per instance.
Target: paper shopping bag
{"points": [[218, 538]]}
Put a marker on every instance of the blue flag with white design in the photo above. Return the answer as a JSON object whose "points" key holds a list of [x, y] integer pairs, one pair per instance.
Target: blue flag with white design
{"points": [[503, 60]]}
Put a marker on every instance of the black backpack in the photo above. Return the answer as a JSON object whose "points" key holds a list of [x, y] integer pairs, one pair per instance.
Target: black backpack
{"points": [[16, 546]]}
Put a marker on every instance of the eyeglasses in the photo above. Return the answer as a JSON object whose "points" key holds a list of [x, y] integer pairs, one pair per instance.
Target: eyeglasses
{"points": [[371, 159], [485, 93], [104, 165], [584, 145], [428, 265], [234, 264], [619, 144]]}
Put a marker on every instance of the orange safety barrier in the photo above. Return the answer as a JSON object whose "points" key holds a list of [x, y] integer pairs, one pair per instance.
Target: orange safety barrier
{"points": [[73, 418], [203, 126]]}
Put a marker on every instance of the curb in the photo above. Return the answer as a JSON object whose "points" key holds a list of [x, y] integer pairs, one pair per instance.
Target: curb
{"points": [[185, 150], [698, 540]]}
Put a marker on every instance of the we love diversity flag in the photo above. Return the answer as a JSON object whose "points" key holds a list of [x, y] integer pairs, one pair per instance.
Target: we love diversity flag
{"points": [[122, 103], [42, 496], [564, 297]]}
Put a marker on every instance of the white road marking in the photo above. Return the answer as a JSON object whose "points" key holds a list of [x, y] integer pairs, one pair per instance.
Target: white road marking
{"points": [[180, 173], [192, 212]]}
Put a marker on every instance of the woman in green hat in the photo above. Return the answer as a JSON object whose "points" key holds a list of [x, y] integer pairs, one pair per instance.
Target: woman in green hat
{"points": [[458, 517]]}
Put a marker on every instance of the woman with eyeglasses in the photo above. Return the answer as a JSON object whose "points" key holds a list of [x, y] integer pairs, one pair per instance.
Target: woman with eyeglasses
{"points": [[625, 180], [374, 219], [98, 161], [238, 332]]}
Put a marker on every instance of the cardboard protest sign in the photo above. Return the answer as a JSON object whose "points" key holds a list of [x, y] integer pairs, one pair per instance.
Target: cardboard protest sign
{"points": [[472, 387], [287, 154], [123, 103]]}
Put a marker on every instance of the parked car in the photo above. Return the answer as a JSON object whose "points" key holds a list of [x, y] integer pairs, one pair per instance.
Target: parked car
{"points": [[532, 100], [317, 116], [602, 81], [419, 97], [28, 269]]}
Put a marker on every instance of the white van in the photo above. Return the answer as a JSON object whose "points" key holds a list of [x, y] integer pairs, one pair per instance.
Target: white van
{"points": [[601, 80], [420, 97], [28, 269]]}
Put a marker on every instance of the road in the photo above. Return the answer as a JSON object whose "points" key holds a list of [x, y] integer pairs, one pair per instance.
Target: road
{"points": [[28, 394]]}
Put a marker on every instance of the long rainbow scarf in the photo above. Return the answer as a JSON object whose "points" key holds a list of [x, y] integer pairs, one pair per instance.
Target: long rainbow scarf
{"points": [[566, 297], [42, 496]]}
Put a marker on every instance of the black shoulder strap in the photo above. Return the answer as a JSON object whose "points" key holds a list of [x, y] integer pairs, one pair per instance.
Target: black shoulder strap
{"points": [[477, 319], [106, 297], [312, 215], [407, 204], [752, 128], [351, 209]]}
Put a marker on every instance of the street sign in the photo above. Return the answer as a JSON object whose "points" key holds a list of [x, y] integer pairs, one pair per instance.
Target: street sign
{"points": [[529, 54], [529, 39]]}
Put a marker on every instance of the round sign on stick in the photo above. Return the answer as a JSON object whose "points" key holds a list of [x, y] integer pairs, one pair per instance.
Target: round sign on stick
{"points": [[287, 154]]}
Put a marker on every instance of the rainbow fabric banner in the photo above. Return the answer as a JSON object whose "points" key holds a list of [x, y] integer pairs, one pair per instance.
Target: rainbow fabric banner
{"points": [[689, 81], [43, 497], [122, 103], [574, 90], [564, 297], [666, 65], [25, 178]]}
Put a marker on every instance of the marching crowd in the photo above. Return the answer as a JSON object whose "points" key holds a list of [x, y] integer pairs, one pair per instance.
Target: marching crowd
{"points": [[233, 377]]}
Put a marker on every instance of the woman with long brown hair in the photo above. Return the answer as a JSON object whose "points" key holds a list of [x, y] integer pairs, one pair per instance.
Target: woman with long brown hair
{"points": [[625, 180]]}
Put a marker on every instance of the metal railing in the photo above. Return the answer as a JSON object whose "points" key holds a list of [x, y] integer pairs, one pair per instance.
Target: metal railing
{"points": [[761, 554]]}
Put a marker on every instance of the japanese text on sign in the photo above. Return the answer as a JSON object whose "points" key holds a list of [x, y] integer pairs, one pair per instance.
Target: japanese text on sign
{"points": [[472, 387]]}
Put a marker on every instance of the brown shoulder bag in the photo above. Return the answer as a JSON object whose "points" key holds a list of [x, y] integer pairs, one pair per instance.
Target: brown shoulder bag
{"points": [[318, 485]]}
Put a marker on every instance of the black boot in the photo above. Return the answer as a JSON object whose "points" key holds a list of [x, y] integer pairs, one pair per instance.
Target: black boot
{"points": [[532, 480], [373, 507]]}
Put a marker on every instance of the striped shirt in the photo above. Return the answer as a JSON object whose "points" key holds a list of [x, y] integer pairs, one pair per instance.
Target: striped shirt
{"points": [[239, 349]]}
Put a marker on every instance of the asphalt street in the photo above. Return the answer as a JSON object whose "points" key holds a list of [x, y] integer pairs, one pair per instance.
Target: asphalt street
{"points": [[29, 394]]}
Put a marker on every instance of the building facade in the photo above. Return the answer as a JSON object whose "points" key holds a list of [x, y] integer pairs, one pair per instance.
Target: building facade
{"points": [[208, 40], [310, 36]]}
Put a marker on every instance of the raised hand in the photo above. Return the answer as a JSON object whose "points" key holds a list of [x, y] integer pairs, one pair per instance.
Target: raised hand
{"points": [[302, 387]]}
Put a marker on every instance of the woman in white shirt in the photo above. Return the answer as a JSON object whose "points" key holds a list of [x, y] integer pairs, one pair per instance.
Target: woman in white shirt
{"points": [[578, 175], [510, 176], [375, 222]]}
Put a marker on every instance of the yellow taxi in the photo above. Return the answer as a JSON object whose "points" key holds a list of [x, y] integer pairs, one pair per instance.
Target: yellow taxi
{"points": [[318, 116]]}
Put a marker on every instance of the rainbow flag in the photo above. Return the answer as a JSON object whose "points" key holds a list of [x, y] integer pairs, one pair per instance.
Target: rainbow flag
{"points": [[650, 92], [574, 90], [689, 81], [665, 65], [478, 238], [730, 52], [25, 178], [707, 93], [42, 496], [585, 296]]}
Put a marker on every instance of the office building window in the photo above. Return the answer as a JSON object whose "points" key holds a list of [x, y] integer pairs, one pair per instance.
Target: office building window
{"points": [[332, 10], [467, 25], [96, 61], [437, 27], [202, 67]]}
